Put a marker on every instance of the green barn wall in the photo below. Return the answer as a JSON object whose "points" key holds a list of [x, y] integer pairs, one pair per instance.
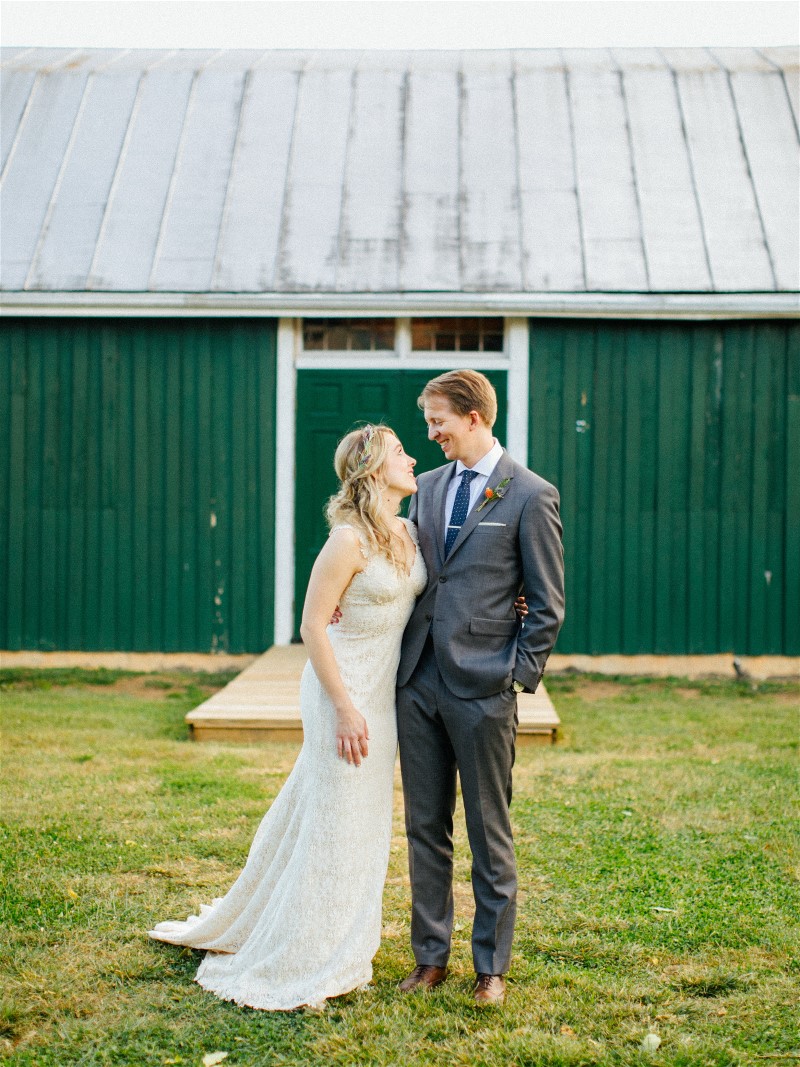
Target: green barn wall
{"points": [[137, 467], [137, 483], [676, 448]]}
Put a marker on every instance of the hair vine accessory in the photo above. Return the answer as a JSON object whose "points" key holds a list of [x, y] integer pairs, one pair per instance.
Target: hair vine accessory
{"points": [[366, 446]]}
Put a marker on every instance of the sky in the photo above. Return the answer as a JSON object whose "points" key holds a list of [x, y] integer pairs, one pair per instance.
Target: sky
{"points": [[393, 24]]}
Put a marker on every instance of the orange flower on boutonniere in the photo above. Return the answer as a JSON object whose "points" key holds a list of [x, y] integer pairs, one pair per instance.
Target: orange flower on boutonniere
{"points": [[497, 493]]}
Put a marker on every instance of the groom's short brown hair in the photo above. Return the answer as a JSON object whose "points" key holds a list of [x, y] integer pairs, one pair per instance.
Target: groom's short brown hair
{"points": [[466, 390]]}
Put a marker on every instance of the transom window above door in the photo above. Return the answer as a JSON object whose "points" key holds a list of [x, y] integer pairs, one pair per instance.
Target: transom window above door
{"points": [[348, 335], [457, 335], [403, 338]]}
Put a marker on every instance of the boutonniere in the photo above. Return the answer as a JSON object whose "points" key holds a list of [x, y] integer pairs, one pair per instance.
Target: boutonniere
{"points": [[497, 493]]}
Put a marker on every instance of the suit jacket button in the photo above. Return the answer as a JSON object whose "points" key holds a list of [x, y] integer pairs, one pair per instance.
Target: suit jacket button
{"points": [[428, 617], [442, 577]]}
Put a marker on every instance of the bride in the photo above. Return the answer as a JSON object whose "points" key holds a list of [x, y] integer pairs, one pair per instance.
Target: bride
{"points": [[303, 920]]}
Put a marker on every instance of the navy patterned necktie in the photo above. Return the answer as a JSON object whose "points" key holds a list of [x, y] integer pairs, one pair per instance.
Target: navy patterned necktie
{"points": [[460, 509]]}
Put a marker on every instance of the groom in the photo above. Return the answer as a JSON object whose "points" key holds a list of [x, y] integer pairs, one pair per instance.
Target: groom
{"points": [[488, 529]]}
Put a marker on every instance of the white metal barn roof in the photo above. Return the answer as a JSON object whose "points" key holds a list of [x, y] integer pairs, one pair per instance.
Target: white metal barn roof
{"points": [[574, 171]]}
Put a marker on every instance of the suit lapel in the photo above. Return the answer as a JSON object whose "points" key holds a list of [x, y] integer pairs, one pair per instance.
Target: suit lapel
{"points": [[438, 495], [504, 469]]}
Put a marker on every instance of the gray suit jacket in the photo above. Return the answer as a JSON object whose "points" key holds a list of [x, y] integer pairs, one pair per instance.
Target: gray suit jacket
{"points": [[512, 544]]}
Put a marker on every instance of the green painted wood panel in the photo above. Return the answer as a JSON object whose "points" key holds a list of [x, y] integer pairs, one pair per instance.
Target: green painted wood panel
{"points": [[137, 484], [329, 404], [676, 448]]}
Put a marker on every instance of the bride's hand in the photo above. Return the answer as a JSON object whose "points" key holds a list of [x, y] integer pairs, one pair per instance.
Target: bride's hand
{"points": [[352, 735]]}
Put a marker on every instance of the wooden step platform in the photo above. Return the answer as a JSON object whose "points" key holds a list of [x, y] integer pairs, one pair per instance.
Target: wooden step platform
{"points": [[263, 704]]}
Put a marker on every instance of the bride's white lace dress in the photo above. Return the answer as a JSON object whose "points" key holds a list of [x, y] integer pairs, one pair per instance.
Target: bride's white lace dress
{"points": [[303, 920]]}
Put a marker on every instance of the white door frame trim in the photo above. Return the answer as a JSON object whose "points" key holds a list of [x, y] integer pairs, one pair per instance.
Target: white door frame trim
{"points": [[291, 358], [285, 422]]}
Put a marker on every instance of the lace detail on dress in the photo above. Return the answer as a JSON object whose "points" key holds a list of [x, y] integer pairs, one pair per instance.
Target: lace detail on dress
{"points": [[303, 920], [362, 542]]}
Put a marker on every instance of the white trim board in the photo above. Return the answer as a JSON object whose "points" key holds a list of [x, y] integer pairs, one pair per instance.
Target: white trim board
{"points": [[290, 305], [435, 361], [285, 422]]}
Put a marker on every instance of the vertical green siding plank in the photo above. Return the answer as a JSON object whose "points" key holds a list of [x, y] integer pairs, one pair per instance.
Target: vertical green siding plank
{"points": [[614, 577], [9, 338], [142, 594], [647, 385], [714, 354], [241, 348], [744, 399], [696, 429], [189, 501], [545, 452], [265, 475], [634, 357], [108, 562], [78, 504], [539, 417], [220, 435], [46, 634], [156, 357], [121, 443], [776, 487], [251, 623], [225, 491], [245, 388], [680, 384], [729, 473], [664, 500], [207, 505], [562, 352], [581, 425], [64, 352], [15, 561], [172, 491], [599, 490], [759, 485], [32, 507], [792, 520], [92, 449]]}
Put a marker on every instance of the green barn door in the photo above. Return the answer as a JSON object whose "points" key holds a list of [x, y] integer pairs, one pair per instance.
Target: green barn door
{"points": [[331, 402]]}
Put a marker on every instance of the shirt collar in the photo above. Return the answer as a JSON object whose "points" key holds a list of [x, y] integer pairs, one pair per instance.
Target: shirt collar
{"points": [[486, 465]]}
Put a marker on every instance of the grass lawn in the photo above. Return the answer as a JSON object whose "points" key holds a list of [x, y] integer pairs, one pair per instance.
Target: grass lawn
{"points": [[658, 857]]}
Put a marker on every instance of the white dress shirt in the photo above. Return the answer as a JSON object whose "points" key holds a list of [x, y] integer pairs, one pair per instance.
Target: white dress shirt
{"points": [[484, 468]]}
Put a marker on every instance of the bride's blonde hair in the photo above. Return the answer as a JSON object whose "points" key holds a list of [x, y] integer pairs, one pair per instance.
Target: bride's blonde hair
{"points": [[358, 462]]}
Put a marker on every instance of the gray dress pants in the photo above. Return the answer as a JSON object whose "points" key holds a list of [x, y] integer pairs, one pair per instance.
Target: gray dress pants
{"points": [[441, 734]]}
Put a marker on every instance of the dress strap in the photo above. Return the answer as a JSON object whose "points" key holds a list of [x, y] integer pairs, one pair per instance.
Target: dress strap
{"points": [[362, 544], [412, 530]]}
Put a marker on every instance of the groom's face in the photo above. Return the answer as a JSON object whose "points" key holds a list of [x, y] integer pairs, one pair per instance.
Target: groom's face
{"points": [[447, 428]]}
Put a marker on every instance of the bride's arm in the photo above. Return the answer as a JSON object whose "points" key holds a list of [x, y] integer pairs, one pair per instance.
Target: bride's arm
{"points": [[333, 570]]}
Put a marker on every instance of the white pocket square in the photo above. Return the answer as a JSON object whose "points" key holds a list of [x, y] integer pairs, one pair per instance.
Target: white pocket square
{"points": [[492, 524]]}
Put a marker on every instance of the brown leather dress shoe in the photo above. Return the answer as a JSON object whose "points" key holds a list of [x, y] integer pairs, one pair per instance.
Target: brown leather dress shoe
{"points": [[490, 989], [425, 976]]}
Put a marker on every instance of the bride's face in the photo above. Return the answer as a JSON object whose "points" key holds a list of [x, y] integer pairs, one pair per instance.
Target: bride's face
{"points": [[398, 468]]}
